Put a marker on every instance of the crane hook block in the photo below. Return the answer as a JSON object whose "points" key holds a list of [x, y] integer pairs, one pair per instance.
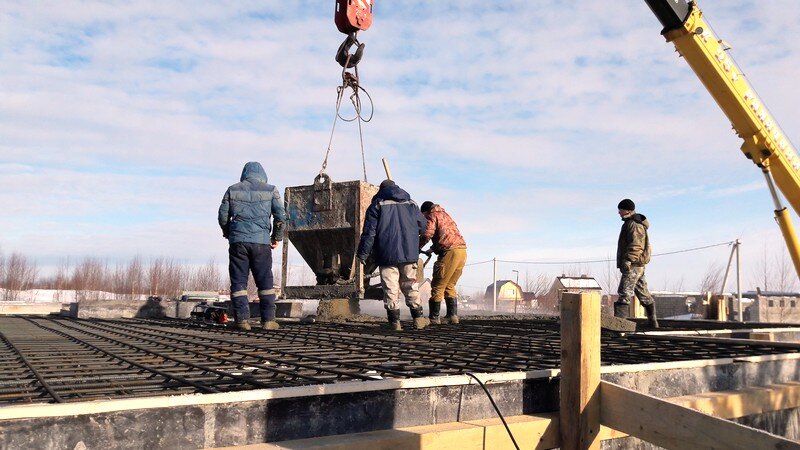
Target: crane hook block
{"points": [[353, 15]]}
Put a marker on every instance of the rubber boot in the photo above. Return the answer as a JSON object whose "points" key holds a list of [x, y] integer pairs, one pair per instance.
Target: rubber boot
{"points": [[650, 310], [270, 325], [266, 305], [621, 310], [434, 308], [420, 321], [394, 319], [452, 310], [241, 308]]}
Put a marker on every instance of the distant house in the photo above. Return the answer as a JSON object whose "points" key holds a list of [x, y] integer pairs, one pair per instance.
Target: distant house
{"points": [[782, 307], [551, 302], [508, 292]]}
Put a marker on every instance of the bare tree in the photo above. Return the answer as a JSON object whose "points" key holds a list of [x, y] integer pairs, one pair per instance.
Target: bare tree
{"points": [[19, 275], [763, 272], [155, 276], [205, 278], [2, 269], [134, 274], [610, 278], [61, 278], [174, 274], [677, 286], [89, 277], [785, 275], [712, 279], [539, 285], [118, 282], [574, 270]]}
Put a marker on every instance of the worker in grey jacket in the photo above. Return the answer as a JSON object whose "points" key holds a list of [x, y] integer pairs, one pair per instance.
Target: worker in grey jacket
{"points": [[244, 217]]}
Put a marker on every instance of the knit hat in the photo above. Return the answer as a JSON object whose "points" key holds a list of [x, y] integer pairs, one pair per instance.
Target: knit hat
{"points": [[427, 206], [627, 204], [385, 183]]}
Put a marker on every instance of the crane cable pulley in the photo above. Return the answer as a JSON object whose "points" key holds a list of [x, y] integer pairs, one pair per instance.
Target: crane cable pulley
{"points": [[351, 17]]}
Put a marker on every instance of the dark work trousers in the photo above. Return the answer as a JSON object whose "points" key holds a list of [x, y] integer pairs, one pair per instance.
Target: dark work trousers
{"points": [[244, 258]]}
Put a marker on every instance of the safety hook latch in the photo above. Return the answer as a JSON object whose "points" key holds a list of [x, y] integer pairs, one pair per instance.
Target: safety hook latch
{"points": [[344, 57]]}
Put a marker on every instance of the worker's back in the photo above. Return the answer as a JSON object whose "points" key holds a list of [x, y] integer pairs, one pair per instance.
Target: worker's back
{"points": [[392, 227], [248, 206]]}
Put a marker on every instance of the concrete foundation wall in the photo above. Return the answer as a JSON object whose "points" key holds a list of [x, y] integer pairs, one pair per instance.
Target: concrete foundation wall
{"points": [[121, 309], [238, 423], [157, 309]]}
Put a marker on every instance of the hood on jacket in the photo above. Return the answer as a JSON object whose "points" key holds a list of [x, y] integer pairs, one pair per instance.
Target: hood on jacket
{"points": [[640, 218], [434, 208], [253, 171], [393, 192]]}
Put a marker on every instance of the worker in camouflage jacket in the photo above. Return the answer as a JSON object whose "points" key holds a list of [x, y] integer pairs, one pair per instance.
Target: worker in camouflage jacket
{"points": [[633, 254], [391, 232], [451, 249], [244, 217]]}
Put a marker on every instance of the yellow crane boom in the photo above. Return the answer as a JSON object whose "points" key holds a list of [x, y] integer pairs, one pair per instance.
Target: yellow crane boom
{"points": [[764, 141]]}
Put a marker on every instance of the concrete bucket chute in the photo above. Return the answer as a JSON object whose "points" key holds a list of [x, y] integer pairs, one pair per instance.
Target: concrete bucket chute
{"points": [[324, 222]]}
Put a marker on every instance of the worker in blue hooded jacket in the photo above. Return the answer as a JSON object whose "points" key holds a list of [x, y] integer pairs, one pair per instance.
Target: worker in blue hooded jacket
{"points": [[244, 217], [391, 232]]}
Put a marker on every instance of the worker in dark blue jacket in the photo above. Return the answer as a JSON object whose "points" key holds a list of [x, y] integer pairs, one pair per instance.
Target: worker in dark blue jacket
{"points": [[244, 216], [391, 234]]}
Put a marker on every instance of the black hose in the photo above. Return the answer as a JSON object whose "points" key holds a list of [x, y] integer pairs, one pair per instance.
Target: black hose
{"points": [[508, 430]]}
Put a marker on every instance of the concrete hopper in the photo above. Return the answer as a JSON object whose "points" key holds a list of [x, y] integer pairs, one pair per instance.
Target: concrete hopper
{"points": [[324, 222]]}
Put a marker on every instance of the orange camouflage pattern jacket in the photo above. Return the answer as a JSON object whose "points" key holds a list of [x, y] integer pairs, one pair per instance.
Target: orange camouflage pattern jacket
{"points": [[442, 230]]}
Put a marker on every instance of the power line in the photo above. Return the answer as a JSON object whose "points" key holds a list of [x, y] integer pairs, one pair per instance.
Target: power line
{"points": [[479, 262], [594, 261]]}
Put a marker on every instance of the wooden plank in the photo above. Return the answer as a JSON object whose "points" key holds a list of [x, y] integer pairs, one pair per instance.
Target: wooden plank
{"points": [[675, 427], [745, 402], [580, 371], [727, 341], [537, 432], [450, 436]]}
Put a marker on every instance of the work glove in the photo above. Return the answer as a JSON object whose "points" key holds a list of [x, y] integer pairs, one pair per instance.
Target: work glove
{"points": [[627, 266]]}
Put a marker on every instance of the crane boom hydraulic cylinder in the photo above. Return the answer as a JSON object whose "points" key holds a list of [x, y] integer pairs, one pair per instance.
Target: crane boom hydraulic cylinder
{"points": [[764, 142]]}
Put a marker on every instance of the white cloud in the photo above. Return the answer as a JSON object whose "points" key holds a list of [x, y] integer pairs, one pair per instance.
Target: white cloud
{"points": [[527, 120]]}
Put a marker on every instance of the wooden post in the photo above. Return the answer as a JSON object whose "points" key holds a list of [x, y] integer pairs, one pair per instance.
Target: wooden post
{"points": [[580, 371], [386, 168], [637, 310], [717, 308]]}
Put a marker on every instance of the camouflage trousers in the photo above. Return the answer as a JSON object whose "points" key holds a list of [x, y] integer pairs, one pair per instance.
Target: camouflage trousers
{"points": [[633, 283]]}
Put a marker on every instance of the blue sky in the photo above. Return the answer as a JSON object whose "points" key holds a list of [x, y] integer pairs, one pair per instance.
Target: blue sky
{"points": [[121, 124]]}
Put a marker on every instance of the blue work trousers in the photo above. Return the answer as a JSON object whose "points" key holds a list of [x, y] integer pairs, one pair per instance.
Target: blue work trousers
{"points": [[246, 257]]}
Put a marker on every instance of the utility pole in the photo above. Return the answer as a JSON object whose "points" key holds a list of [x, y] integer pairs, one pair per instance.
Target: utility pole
{"points": [[494, 284], [516, 298], [727, 269]]}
